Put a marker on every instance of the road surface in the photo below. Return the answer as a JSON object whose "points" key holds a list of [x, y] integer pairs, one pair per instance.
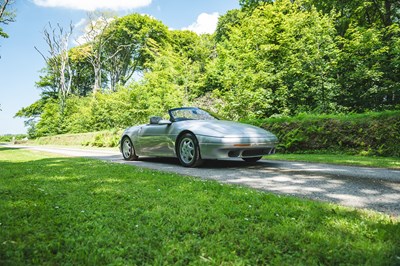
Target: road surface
{"points": [[360, 187]]}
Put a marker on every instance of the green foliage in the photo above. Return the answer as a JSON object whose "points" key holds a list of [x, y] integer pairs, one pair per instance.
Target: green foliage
{"points": [[48, 83], [11, 137], [87, 114], [250, 4], [267, 59], [83, 75], [105, 138], [369, 134], [160, 89], [131, 43], [226, 23], [3, 34], [86, 212], [364, 13], [363, 73], [278, 61], [51, 120], [190, 55], [34, 110], [7, 15]]}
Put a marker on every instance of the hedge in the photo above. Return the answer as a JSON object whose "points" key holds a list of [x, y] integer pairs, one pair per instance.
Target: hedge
{"points": [[106, 138], [365, 134]]}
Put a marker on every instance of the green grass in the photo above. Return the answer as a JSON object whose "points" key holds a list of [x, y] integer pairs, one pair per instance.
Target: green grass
{"points": [[342, 159], [71, 211]]}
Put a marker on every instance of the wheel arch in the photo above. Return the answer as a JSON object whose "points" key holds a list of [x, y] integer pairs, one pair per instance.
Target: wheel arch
{"points": [[131, 138], [180, 136], [128, 151], [120, 141]]}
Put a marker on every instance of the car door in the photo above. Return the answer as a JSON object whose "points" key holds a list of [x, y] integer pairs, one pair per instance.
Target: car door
{"points": [[155, 140]]}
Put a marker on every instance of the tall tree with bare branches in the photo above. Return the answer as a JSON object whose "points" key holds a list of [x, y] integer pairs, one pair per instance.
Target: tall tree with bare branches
{"points": [[93, 44], [6, 16], [57, 59]]}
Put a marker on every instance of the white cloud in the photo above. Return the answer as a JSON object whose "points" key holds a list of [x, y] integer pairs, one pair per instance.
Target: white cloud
{"points": [[206, 23], [79, 27], [81, 23], [90, 29], [91, 5]]}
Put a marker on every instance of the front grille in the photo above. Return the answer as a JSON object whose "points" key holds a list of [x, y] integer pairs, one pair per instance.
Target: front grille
{"points": [[235, 153], [255, 152]]}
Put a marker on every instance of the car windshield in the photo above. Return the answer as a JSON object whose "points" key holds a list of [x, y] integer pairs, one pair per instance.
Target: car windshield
{"points": [[189, 113]]}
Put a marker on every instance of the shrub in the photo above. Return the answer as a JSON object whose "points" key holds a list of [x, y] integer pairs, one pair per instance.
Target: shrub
{"points": [[107, 138], [366, 134]]}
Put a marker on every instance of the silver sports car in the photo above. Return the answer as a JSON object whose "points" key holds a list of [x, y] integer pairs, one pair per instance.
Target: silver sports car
{"points": [[192, 135]]}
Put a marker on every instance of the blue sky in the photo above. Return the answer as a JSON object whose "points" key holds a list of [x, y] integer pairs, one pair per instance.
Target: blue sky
{"points": [[20, 63]]}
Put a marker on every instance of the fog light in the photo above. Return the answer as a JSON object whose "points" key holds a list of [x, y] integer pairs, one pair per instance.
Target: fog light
{"points": [[241, 145]]}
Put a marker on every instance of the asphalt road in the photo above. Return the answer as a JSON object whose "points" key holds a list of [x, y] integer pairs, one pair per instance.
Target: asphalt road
{"points": [[360, 187]]}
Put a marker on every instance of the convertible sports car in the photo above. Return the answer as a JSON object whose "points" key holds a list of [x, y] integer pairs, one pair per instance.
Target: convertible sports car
{"points": [[192, 135]]}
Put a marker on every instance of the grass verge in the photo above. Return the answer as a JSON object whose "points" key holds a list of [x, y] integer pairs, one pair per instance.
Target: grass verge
{"points": [[73, 211], [342, 159]]}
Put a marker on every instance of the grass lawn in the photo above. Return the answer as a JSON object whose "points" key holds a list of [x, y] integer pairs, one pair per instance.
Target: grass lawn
{"points": [[71, 211], [343, 159]]}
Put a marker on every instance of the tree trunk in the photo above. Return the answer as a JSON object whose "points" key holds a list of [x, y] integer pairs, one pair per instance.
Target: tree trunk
{"points": [[388, 13]]}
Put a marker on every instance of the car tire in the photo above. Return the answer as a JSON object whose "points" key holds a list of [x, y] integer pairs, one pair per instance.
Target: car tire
{"points": [[252, 159], [188, 151], [127, 149]]}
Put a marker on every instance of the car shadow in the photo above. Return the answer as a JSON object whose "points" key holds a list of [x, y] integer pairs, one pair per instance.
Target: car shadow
{"points": [[213, 164]]}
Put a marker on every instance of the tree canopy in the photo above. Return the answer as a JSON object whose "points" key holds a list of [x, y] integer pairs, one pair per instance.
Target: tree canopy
{"points": [[268, 58], [6, 15]]}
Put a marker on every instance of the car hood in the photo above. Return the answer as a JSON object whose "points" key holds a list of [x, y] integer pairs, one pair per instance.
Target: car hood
{"points": [[221, 128]]}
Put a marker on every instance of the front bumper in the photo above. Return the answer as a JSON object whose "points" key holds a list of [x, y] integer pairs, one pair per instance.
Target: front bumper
{"points": [[236, 147]]}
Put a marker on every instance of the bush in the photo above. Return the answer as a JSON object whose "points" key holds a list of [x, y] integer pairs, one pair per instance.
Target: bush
{"points": [[365, 134], [11, 137], [106, 138]]}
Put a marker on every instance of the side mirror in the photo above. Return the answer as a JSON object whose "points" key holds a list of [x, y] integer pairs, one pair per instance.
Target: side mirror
{"points": [[164, 122], [154, 120]]}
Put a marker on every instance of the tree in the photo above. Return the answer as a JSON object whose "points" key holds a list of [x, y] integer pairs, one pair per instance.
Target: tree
{"points": [[366, 13], [57, 60], [279, 61], [82, 72], [368, 70], [160, 89], [95, 41], [227, 22], [48, 83], [33, 114], [134, 37], [6, 16], [194, 52], [363, 13], [251, 4]]}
